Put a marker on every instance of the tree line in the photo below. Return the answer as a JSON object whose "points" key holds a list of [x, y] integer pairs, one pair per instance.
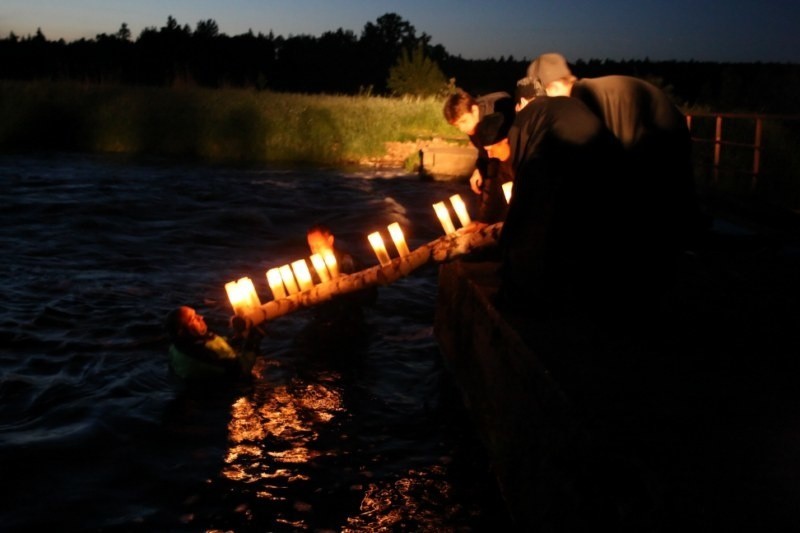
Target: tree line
{"points": [[387, 58]]}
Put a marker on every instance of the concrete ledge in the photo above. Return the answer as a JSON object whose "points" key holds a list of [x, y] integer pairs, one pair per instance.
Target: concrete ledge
{"points": [[447, 162]]}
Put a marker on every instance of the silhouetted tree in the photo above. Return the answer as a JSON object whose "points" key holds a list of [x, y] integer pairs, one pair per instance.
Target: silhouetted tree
{"points": [[416, 74]]}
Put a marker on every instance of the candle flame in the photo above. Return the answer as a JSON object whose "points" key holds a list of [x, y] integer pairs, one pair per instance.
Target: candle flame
{"points": [[460, 209], [302, 274], [242, 295], [330, 262], [376, 241], [444, 217], [399, 240], [507, 186], [321, 269], [275, 283], [288, 279]]}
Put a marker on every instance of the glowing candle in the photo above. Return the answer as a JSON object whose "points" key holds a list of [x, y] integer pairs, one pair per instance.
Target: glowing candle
{"points": [[302, 274], [288, 279], [319, 266], [235, 297], [380, 250], [507, 186], [461, 210], [275, 283], [444, 217], [330, 261], [399, 240], [242, 295], [250, 293]]}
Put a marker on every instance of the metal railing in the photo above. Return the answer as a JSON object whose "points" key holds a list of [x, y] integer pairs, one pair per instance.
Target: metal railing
{"points": [[730, 145]]}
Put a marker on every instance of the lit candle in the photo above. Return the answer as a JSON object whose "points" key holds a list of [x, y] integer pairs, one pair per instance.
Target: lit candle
{"points": [[302, 274], [249, 290], [507, 186], [288, 279], [275, 283], [399, 240], [319, 266], [242, 295], [380, 250], [235, 297], [330, 261], [444, 217], [461, 210]]}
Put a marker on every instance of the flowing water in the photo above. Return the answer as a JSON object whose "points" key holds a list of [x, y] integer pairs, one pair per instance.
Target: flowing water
{"points": [[95, 435]]}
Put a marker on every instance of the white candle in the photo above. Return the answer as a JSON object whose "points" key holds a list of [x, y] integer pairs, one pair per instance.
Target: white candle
{"points": [[242, 295], [380, 250], [444, 217], [330, 262], [399, 240], [275, 283], [302, 274], [249, 291], [507, 186], [319, 266], [288, 279], [235, 297], [461, 210]]}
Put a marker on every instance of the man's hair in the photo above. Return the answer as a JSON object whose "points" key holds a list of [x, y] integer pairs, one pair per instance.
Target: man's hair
{"points": [[319, 228], [457, 104], [174, 323]]}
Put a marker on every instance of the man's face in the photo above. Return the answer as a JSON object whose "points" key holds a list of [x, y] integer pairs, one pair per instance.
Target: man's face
{"points": [[500, 150], [467, 122], [193, 323], [319, 242]]}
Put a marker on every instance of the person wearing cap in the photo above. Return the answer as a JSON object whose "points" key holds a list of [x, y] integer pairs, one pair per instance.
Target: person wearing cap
{"points": [[465, 112], [561, 245], [657, 143]]}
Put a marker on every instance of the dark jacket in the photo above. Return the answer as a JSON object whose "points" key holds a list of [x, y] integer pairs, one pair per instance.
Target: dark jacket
{"points": [[492, 203], [658, 148], [564, 225]]}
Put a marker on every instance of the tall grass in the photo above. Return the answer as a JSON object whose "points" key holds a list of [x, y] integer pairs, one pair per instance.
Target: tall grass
{"points": [[214, 124]]}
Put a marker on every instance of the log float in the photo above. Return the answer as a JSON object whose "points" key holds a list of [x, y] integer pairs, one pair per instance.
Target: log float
{"points": [[443, 249]]}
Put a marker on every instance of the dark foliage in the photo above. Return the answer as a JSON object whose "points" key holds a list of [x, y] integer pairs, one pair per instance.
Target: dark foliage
{"points": [[340, 62]]}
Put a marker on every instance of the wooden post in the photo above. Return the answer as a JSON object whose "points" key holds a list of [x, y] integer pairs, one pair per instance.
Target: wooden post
{"points": [[443, 249]]}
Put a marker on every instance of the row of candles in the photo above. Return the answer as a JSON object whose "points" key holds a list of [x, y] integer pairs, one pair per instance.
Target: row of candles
{"points": [[295, 277]]}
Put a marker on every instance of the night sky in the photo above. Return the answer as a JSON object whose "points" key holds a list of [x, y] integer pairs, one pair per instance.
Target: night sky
{"points": [[701, 30]]}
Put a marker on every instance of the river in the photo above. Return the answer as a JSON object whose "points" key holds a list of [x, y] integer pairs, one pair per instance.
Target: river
{"points": [[95, 435]]}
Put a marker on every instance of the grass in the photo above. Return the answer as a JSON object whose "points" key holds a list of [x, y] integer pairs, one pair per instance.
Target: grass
{"points": [[213, 124]]}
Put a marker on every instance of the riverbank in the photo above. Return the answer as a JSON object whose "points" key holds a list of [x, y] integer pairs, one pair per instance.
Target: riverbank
{"points": [[220, 125]]}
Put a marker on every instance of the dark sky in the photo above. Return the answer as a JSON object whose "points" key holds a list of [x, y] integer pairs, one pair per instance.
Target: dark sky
{"points": [[702, 30]]}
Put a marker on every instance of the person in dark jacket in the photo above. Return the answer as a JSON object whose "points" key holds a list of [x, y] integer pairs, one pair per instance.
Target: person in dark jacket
{"points": [[197, 354], [562, 239], [657, 143], [465, 112]]}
